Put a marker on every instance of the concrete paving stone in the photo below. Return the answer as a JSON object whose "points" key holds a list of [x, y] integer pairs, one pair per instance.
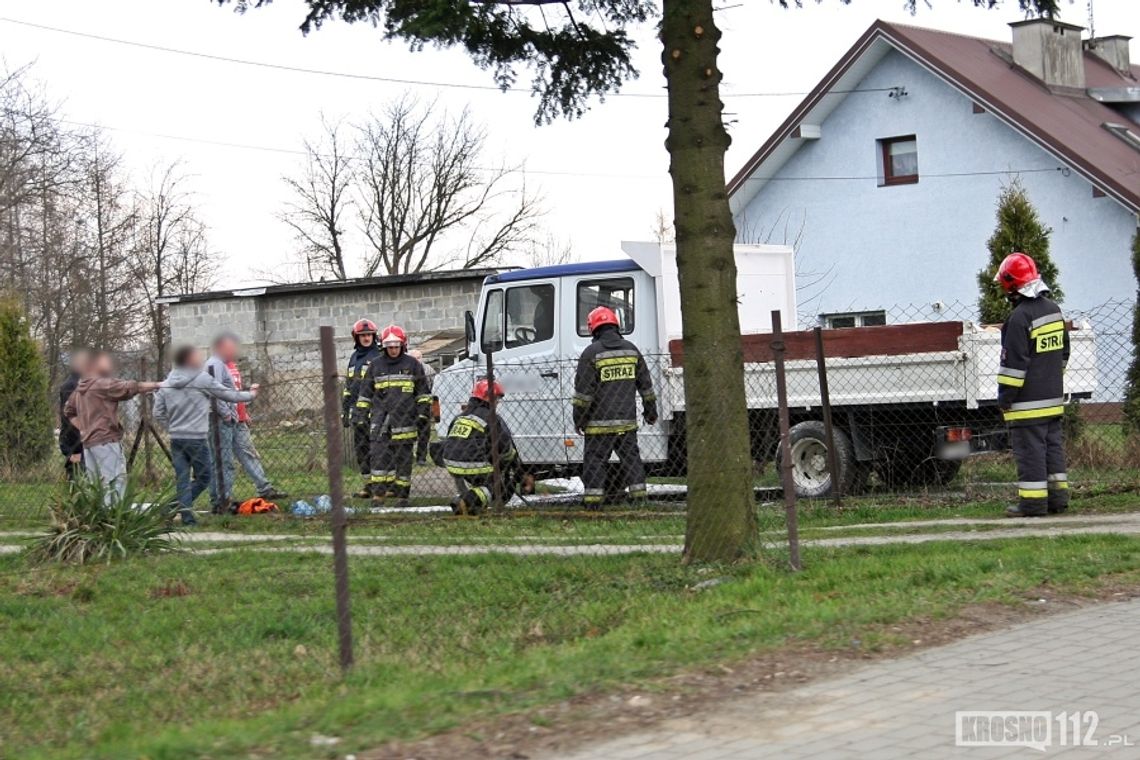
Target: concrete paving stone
{"points": [[905, 708]]}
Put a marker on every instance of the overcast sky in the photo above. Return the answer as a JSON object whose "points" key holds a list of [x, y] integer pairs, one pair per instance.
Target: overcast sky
{"points": [[603, 177]]}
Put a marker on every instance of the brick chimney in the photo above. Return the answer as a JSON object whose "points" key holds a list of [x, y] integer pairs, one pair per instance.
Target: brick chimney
{"points": [[1050, 51], [1113, 50]]}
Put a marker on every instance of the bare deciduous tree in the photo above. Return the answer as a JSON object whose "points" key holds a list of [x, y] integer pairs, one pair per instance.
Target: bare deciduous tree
{"points": [[173, 256], [425, 198], [322, 195], [547, 251]]}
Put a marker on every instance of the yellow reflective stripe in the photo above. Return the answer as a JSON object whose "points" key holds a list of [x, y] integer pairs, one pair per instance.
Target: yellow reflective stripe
{"points": [[1015, 382], [1032, 493], [579, 402], [407, 386], [1045, 329], [403, 436], [615, 360], [363, 404], [1033, 414], [470, 470], [1055, 485], [423, 399], [605, 429]]}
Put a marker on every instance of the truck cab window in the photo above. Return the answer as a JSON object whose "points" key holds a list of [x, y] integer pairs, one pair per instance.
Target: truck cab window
{"points": [[492, 331], [616, 293], [530, 315]]}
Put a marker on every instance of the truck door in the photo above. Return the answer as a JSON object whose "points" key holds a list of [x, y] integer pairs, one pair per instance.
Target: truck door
{"points": [[520, 326], [631, 296]]}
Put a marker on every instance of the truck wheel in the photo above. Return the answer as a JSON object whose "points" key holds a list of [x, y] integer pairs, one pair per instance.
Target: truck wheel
{"points": [[810, 474]]}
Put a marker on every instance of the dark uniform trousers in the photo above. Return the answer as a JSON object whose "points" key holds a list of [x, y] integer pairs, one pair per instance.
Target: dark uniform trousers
{"points": [[362, 448], [596, 468], [1039, 451], [392, 464]]}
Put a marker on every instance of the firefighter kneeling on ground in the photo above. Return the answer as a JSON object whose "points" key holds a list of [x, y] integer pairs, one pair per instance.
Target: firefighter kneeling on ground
{"points": [[366, 351], [1031, 388], [467, 452], [393, 397], [611, 372]]}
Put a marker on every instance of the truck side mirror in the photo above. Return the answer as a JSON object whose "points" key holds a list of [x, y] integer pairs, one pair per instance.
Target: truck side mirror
{"points": [[469, 332]]}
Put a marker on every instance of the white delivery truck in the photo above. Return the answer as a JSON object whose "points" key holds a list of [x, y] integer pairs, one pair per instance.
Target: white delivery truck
{"points": [[909, 401]]}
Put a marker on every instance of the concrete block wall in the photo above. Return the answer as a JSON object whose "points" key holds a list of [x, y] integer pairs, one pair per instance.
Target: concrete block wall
{"points": [[280, 331]]}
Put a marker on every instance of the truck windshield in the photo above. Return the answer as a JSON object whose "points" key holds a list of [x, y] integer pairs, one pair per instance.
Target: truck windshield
{"points": [[616, 293]]}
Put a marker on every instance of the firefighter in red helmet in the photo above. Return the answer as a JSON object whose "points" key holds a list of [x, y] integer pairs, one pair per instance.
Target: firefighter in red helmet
{"points": [[393, 397], [364, 353], [467, 452], [611, 374], [1031, 388]]}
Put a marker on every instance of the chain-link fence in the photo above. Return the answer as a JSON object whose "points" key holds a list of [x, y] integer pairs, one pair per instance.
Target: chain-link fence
{"points": [[913, 406]]}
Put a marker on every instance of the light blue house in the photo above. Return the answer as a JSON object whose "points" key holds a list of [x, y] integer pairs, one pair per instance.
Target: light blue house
{"points": [[885, 178]]}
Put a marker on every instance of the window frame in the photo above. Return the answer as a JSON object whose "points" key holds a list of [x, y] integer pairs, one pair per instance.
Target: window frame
{"points": [[507, 337], [580, 319], [859, 319], [889, 177]]}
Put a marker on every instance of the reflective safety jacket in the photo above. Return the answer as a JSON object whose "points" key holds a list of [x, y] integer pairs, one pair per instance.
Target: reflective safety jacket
{"points": [[393, 395], [611, 372], [467, 449], [358, 365], [1034, 351]]}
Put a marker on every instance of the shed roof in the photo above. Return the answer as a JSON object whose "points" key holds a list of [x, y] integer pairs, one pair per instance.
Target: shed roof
{"points": [[1070, 125], [326, 286]]}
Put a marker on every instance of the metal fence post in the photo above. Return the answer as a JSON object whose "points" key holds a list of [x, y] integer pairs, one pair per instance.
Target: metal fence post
{"points": [[789, 486], [828, 428], [334, 444], [219, 507], [496, 463]]}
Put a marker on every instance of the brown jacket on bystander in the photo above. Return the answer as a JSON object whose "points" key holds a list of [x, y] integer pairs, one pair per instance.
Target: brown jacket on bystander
{"points": [[94, 408]]}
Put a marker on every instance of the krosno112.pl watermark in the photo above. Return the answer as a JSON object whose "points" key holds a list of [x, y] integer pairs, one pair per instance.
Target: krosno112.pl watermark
{"points": [[1035, 729]]}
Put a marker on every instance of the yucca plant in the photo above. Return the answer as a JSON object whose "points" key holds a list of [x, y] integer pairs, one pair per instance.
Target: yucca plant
{"points": [[93, 523]]}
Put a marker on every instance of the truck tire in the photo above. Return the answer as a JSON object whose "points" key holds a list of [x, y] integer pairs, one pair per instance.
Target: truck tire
{"points": [[810, 474]]}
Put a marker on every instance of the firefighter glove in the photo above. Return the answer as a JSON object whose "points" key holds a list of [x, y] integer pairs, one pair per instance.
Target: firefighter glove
{"points": [[649, 411]]}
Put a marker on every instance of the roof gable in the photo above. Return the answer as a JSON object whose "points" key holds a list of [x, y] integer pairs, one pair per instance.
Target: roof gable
{"points": [[1066, 125]]}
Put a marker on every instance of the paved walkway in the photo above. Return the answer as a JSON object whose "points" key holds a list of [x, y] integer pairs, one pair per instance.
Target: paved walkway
{"points": [[374, 546], [1081, 662]]}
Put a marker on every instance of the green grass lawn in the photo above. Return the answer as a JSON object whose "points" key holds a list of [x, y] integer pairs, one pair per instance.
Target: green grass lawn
{"points": [[231, 655]]}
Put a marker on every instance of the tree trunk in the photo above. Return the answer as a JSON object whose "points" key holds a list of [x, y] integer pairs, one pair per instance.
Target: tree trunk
{"points": [[721, 516]]}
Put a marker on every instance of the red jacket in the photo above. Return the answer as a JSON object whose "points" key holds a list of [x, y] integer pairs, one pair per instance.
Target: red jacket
{"points": [[242, 410]]}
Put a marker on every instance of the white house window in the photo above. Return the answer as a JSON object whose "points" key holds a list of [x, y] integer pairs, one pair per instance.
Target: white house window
{"points": [[900, 160], [853, 319]]}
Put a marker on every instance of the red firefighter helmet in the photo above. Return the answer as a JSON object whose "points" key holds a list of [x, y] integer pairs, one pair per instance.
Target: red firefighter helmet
{"points": [[482, 391], [364, 327], [603, 315], [394, 335], [1016, 271]]}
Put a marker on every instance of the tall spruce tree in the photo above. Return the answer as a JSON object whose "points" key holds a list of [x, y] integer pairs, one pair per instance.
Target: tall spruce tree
{"points": [[1132, 389], [1018, 229], [25, 411]]}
